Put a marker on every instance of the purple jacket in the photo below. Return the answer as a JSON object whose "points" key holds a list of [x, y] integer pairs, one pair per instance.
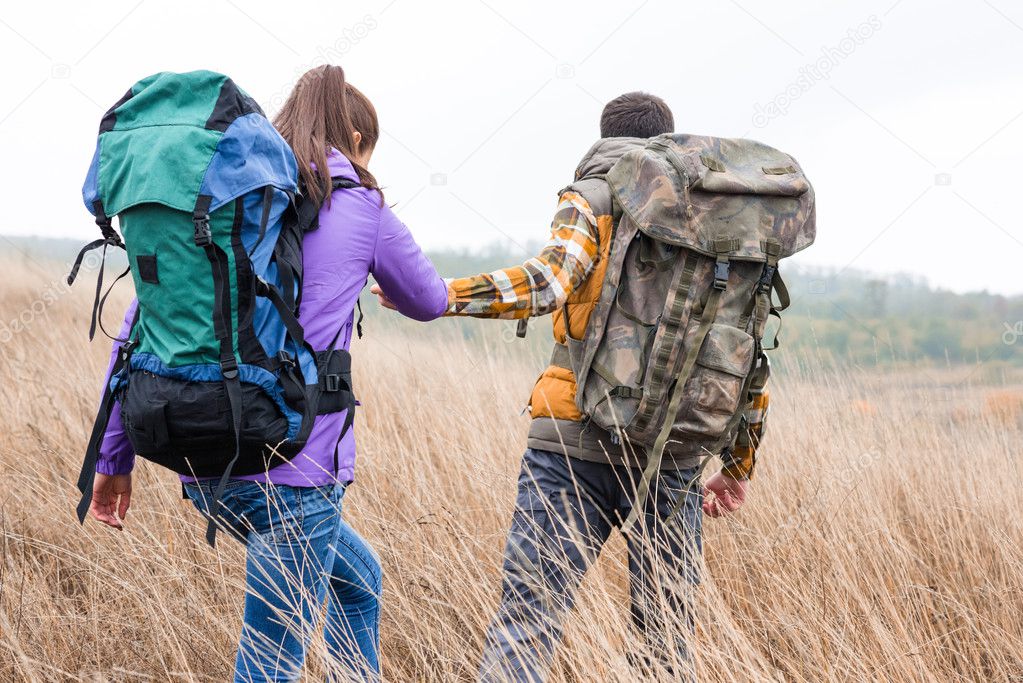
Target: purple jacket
{"points": [[357, 237]]}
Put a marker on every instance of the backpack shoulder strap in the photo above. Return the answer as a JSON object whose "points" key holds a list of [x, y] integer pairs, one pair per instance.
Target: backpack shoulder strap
{"points": [[308, 212], [594, 189], [342, 183]]}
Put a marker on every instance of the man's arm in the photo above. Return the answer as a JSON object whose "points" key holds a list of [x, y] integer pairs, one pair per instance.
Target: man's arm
{"points": [[740, 461], [543, 283], [725, 492]]}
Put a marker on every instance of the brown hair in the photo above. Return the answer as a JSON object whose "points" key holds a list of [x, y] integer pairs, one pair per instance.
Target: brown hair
{"points": [[317, 116], [636, 115], [364, 117]]}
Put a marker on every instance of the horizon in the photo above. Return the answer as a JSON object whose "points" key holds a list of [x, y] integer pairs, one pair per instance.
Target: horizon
{"points": [[488, 251]]}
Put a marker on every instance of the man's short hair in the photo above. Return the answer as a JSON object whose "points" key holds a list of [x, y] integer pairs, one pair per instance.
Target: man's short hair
{"points": [[636, 115]]}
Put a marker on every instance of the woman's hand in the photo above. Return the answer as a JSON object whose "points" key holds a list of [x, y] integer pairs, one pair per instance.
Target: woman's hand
{"points": [[111, 497], [384, 301]]}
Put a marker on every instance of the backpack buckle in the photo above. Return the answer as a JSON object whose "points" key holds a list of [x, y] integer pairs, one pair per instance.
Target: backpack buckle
{"points": [[229, 367], [284, 358], [764, 286], [721, 274], [127, 348], [332, 383], [203, 236]]}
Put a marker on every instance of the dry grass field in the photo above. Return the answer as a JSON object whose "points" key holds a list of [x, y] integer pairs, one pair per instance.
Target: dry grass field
{"points": [[882, 541]]}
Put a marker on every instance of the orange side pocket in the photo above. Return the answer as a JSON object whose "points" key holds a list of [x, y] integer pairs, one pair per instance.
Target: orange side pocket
{"points": [[554, 395]]}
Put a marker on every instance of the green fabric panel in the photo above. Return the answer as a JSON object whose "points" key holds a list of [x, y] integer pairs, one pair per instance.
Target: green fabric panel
{"points": [[171, 99], [176, 321], [164, 164], [159, 148]]}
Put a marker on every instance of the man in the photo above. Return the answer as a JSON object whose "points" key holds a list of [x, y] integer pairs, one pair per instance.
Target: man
{"points": [[577, 481]]}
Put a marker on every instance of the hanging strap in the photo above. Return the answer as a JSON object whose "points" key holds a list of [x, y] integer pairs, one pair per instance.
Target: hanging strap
{"points": [[656, 453], [778, 286], [358, 321], [97, 311], [110, 239], [99, 290], [95, 244], [87, 475], [522, 328]]}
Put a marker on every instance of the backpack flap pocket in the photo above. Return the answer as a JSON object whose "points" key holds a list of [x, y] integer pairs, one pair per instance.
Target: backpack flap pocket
{"points": [[335, 381], [146, 426], [714, 392], [692, 191]]}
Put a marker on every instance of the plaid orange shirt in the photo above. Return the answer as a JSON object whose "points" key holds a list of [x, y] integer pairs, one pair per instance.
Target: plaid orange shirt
{"points": [[739, 461], [542, 284]]}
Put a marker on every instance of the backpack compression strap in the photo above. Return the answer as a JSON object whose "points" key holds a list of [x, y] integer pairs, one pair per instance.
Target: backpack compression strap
{"points": [[224, 333], [656, 453], [331, 382]]}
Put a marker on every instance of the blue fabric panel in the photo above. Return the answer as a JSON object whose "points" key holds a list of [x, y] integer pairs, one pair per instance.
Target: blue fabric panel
{"points": [[90, 190], [250, 155], [305, 361], [210, 372], [266, 323], [265, 320], [253, 212]]}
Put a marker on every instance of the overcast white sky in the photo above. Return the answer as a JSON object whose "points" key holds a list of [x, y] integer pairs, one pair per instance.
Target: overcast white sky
{"points": [[911, 130]]}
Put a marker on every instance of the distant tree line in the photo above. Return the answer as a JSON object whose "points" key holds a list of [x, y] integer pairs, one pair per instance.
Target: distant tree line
{"points": [[846, 317]]}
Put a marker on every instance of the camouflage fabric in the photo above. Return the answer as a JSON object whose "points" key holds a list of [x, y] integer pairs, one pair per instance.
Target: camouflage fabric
{"points": [[691, 190], [670, 351]]}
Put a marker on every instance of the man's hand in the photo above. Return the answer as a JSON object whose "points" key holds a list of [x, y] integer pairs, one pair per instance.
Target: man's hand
{"points": [[384, 301], [111, 497], [723, 495]]}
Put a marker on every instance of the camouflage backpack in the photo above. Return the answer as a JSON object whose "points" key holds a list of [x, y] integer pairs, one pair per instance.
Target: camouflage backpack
{"points": [[675, 343]]}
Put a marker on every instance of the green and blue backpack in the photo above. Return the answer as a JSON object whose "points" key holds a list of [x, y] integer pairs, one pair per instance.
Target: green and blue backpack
{"points": [[215, 378]]}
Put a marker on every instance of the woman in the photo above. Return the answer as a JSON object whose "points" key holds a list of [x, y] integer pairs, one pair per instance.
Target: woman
{"points": [[298, 547]]}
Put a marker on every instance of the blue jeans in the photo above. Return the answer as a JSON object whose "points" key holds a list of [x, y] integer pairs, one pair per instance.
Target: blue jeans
{"points": [[299, 551], [565, 512]]}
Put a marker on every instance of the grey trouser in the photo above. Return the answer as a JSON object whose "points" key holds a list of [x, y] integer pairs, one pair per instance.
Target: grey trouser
{"points": [[564, 513]]}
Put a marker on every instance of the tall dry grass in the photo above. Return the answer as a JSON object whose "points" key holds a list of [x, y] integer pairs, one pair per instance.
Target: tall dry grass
{"points": [[882, 540]]}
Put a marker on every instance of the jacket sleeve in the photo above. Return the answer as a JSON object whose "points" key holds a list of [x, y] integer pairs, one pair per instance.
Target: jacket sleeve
{"points": [[543, 283], [404, 273], [115, 454], [739, 461]]}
